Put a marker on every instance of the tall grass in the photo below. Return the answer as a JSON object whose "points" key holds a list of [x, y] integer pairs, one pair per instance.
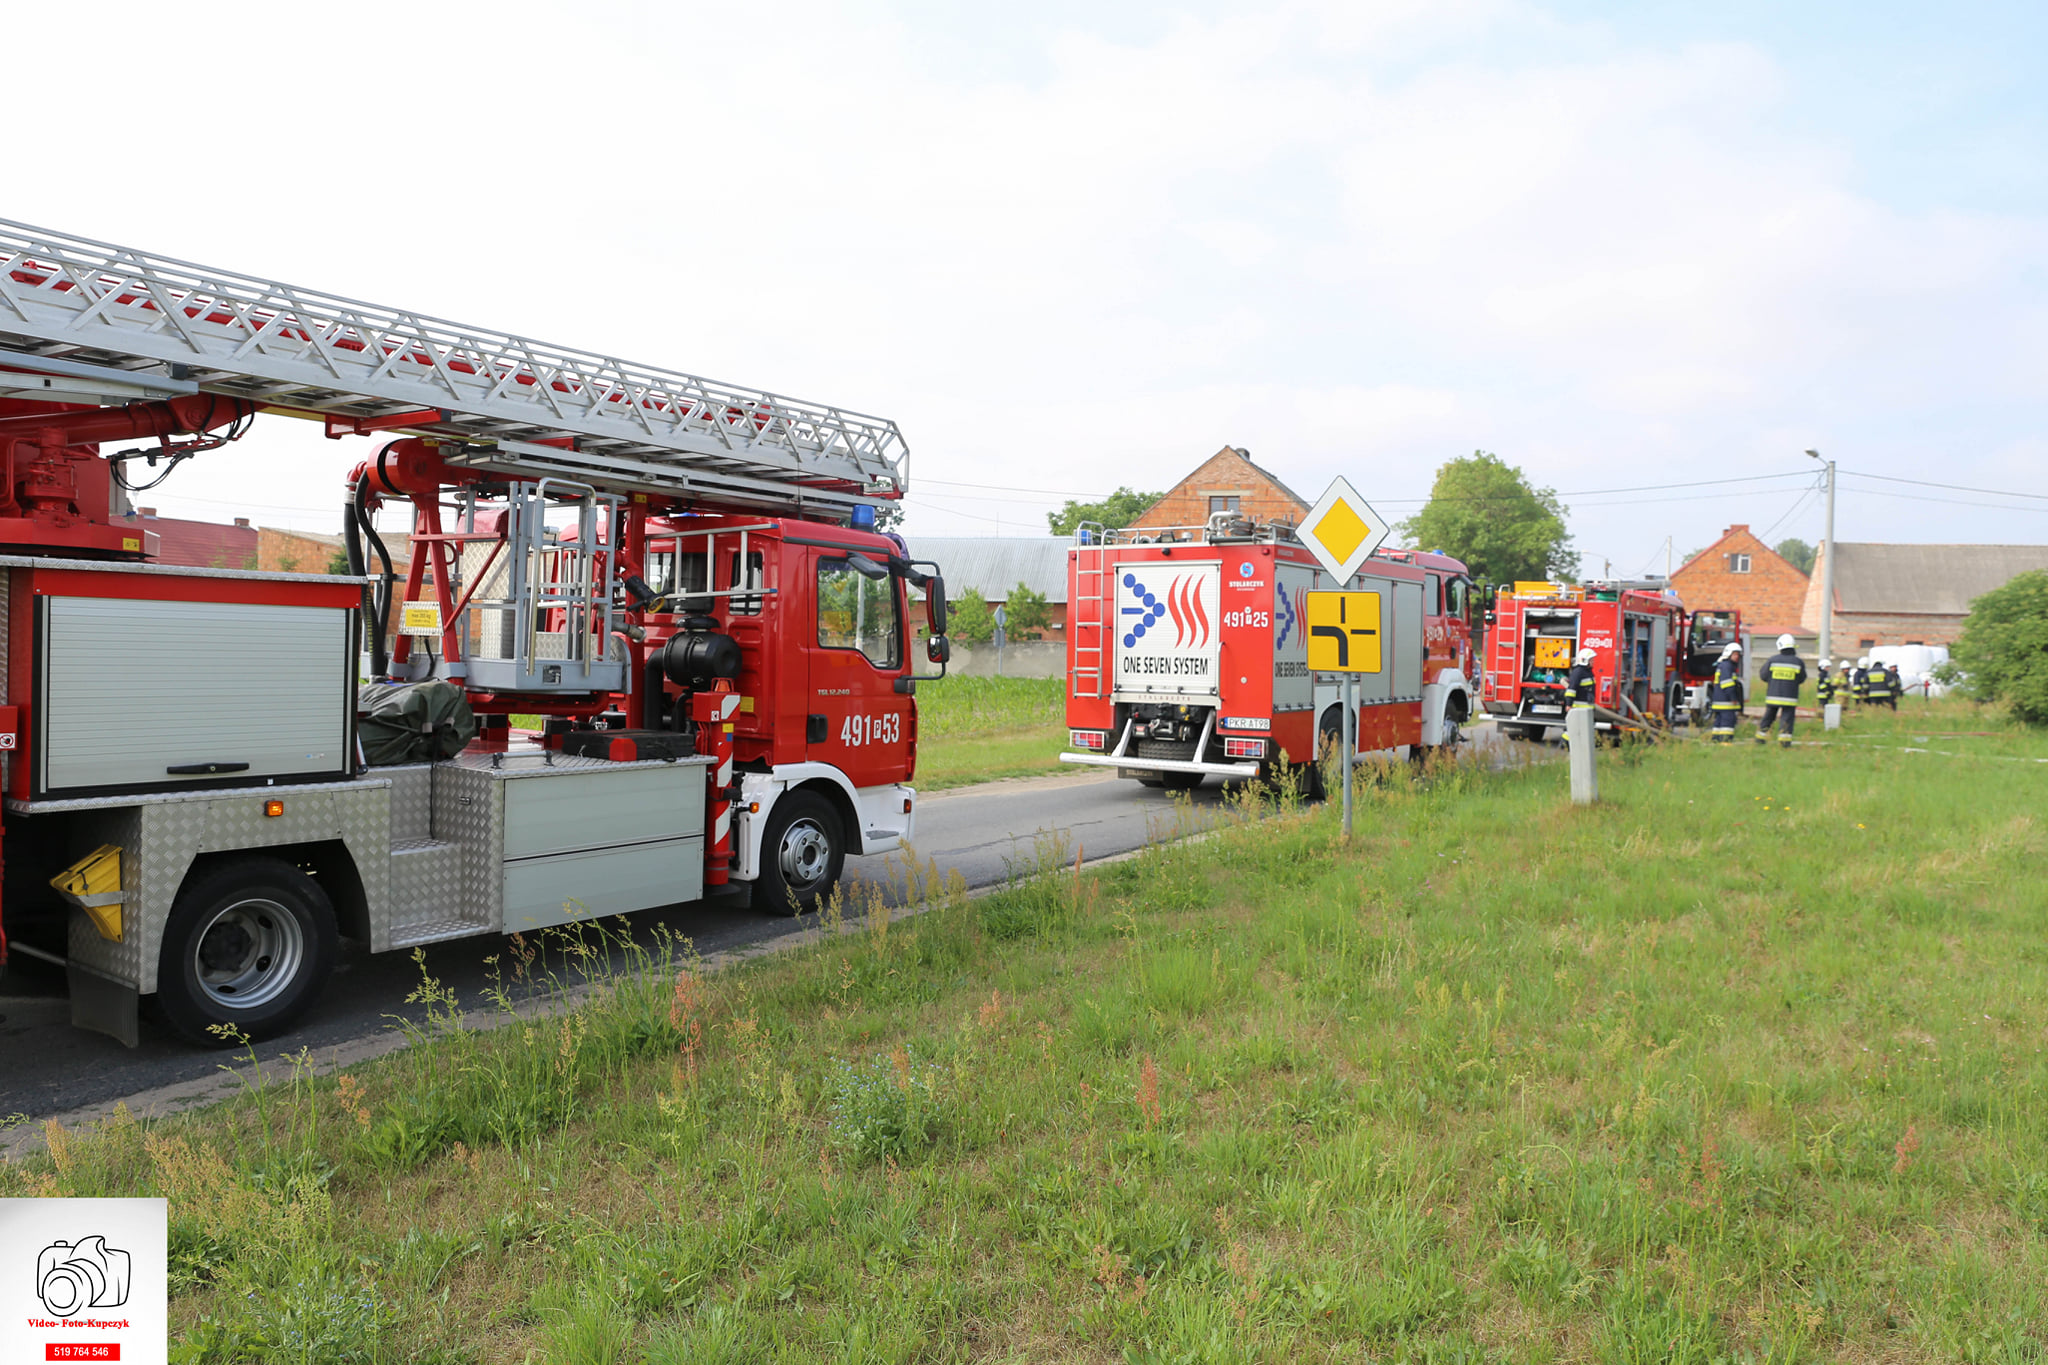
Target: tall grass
{"points": [[1744, 1063], [954, 707]]}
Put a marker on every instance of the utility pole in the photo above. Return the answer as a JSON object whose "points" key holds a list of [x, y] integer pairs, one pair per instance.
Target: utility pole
{"points": [[1827, 568]]}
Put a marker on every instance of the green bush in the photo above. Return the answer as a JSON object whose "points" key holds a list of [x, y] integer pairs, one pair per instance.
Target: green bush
{"points": [[888, 1107], [2004, 647]]}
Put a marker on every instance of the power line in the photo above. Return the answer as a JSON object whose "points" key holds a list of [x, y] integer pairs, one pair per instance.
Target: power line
{"points": [[1950, 487], [1953, 502]]}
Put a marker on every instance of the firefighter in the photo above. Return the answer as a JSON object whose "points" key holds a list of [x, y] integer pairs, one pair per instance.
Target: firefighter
{"points": [[1859, 685], [1578, 684], [1725, 693], [1877, 690], [1781, 674], [1898, 684], [1823, 684]]}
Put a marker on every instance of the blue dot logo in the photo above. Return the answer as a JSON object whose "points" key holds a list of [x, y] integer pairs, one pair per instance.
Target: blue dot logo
{"points": [[1130, 580]]}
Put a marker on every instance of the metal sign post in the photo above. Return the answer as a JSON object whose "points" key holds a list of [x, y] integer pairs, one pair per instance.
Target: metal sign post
{"points": [[1349, 746], [1342, 531]]}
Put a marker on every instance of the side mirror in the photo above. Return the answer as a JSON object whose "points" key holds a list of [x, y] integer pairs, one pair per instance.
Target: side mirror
{"points": [[938, 649], [935, 604]]}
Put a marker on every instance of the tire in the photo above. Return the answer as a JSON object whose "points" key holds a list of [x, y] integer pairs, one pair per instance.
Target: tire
{"points": [[248, 947], [803, 851]]}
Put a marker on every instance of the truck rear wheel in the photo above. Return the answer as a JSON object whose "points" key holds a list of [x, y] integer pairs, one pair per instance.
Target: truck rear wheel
{"points": [[247, 948], [802, 853]]}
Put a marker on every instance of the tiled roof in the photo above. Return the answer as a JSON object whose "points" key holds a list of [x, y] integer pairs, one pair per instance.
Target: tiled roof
{"points": [[1932, 580], [198, 544]]}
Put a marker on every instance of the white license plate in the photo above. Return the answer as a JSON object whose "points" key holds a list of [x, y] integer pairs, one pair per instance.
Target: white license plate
{"points": [[1548, 710]]}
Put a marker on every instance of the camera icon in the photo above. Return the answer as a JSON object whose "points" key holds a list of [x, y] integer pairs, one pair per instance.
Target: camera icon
{"points": [[74, 1276]]}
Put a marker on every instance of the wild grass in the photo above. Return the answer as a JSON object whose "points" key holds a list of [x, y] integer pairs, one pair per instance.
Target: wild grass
{"points": [[1742, 1064], [980, 729]]}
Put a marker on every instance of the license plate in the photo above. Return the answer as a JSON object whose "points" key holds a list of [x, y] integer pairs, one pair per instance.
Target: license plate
{"points": [[1548, 710]]}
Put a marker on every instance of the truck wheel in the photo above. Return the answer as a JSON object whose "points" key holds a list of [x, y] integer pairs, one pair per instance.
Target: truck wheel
{"points": [[802, 852], [247, 947]]}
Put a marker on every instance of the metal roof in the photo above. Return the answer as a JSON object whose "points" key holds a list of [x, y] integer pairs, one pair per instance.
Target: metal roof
{"points": [[992, 565], [1929, 580]]}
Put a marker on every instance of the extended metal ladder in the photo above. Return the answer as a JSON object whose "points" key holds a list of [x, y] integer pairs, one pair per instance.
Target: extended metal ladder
{"points": [[89, 310]]}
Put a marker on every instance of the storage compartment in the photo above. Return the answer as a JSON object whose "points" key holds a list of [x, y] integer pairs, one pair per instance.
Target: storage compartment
{"points": [[134, 694]]}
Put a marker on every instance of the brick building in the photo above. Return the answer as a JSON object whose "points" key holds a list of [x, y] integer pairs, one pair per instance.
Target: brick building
{"points": [[1227, 481], [282, 551], [1911, 594], [1739, 572], [196, 544]]}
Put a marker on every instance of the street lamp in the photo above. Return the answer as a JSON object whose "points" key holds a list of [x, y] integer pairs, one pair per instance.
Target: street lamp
{"points": [[1827, 569]]}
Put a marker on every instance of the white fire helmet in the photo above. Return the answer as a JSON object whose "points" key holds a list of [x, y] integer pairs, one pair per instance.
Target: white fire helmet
{"points": [[1730, 650], [1787, 642], [1863, 662], [1586, 655]]}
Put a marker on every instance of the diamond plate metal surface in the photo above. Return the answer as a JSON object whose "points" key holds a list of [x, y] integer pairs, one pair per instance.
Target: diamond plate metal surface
{"points": [[412, 808], [427, 887], [159, 837], [469, 810]]}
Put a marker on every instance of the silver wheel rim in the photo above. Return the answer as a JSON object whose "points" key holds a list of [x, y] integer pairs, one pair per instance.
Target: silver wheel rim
{"points": [[248, 954], [805, 854]]}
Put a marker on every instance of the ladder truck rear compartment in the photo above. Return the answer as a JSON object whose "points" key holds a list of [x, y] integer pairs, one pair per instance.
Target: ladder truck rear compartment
{"points": [[1187, 654], [681, 577], [1645, 666]]}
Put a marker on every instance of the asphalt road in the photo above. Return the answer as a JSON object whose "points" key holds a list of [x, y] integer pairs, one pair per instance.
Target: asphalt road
{"points": [[47, 1067]]}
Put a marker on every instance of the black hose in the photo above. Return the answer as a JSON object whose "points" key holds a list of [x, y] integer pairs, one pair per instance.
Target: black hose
{"points": [[380, 658]]}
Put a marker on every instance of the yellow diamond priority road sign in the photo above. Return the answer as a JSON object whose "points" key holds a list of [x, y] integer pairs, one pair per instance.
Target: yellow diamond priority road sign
{"points": [[1343, 632], [1342, 530]]}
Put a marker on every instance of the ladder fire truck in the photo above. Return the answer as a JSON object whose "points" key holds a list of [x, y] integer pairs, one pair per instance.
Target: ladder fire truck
{"points": [[1651, 658], [680, 576], [1187, 653]]}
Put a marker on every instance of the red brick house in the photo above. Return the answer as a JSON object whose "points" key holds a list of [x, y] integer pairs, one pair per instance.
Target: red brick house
{"points": [[1739, 572], [1227, 481]]}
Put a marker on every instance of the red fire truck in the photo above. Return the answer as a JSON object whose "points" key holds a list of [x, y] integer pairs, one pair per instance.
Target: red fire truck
{"points": [[1651, 658], [1187, 653], [681, 577]]}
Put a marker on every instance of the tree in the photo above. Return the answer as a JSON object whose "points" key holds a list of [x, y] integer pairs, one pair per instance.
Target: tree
{"points": [[889, 516], [1482, 510], [1797, 553], [1027, 611], [2003, 648], [969, 620], [1114, 512], [337, 562]]}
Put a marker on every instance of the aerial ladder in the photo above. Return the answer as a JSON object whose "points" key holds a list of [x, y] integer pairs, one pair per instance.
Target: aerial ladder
{"points": [[605, 544]]}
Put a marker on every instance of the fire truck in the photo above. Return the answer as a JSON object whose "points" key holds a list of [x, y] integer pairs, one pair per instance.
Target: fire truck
{"points": [[1187, 653], [1651, 658], [680, 577]]}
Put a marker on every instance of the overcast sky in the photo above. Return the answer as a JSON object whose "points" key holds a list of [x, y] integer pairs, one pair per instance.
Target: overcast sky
{"points": [[1087, 245]]}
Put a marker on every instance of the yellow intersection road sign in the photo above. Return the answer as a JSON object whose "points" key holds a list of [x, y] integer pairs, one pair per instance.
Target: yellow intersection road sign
{"points": [[1342, 530], [1343, 632]]}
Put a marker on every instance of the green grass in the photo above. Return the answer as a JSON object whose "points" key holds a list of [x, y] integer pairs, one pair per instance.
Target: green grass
{"points": [[1743, 1064], [980, 729]]}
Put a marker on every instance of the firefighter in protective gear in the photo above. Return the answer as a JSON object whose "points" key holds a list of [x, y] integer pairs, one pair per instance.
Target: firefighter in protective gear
{"points": [[1898, 684], [1860, 680], [1725, 693], [1823, 684], [1877, 689], [1782, 673], [1578, 684]]}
